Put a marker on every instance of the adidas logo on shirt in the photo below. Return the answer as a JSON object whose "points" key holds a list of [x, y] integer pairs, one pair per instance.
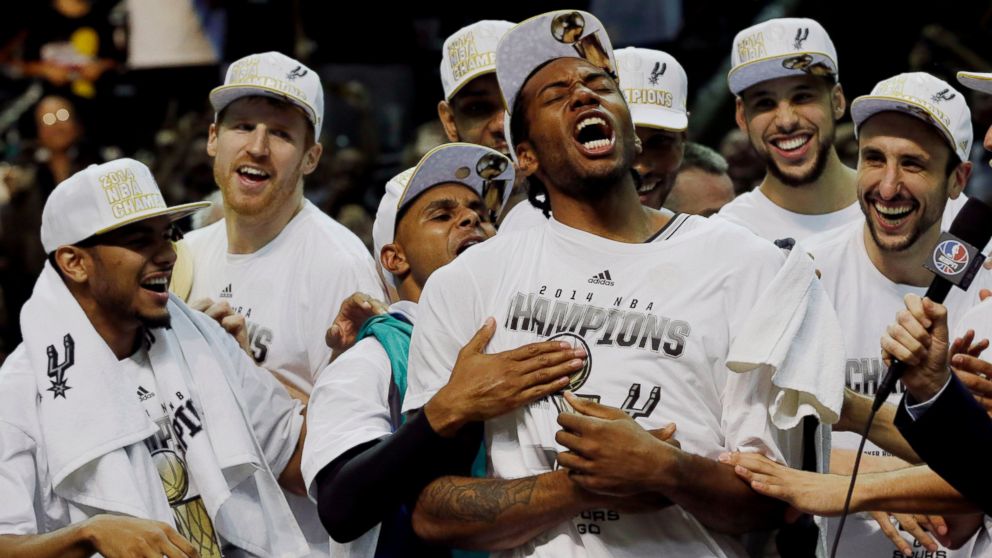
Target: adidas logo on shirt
{"points": [[602, 279], [144, 394], [226, 293]]}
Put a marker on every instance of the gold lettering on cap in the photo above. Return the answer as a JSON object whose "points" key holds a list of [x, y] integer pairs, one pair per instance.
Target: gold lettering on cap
{"points": [[246, 72], [125, 196], [465, 58], [751, 47], [896, 87]]}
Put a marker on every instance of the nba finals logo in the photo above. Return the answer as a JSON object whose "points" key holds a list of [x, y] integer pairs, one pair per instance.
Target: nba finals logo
{"points": [[126, 196]]}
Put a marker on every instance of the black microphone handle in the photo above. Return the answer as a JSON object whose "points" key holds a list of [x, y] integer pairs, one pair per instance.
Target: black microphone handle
{"points": [[937, 292]]}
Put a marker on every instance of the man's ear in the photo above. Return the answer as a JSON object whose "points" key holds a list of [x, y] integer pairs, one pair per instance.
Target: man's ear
{"points": [[527, 161], [447, 117], [393, 260], [739, 115], [959, 179], [311, 158], [212, 140], [74, 262], [838, 101]]}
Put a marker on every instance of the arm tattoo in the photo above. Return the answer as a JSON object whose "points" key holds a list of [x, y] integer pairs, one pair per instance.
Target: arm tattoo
{"points": [[476, 499]]}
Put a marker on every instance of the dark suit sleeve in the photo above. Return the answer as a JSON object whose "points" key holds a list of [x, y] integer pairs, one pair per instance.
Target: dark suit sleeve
{"points": [[954, 437]]}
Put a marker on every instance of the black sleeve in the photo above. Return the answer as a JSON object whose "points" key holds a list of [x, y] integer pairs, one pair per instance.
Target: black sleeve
{"points": [[360, 488], [954, 437]]}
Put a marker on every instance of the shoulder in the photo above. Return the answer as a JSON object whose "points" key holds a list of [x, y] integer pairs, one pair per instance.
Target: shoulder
{"points": [[212, 234], [739, 205], [365, 362], [832, 243]]}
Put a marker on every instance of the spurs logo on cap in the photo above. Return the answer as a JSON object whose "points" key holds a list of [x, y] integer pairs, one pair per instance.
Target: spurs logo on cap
{"points": [[657, 72], [297, 72], [801, 35], [942, 95]]}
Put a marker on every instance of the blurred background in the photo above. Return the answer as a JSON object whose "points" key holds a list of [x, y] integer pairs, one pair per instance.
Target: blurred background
{"points": [[84, 81]]}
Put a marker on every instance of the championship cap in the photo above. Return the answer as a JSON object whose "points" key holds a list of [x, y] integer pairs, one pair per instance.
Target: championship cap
{"points": [[977, 81], [273, 74], [101, 198], [779, 48], [926, 97], [469, 53], [547, 37], [486, 171], [655, 86]]}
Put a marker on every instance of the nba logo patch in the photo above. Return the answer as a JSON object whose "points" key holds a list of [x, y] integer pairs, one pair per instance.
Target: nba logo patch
{"points": [[950, 257]]}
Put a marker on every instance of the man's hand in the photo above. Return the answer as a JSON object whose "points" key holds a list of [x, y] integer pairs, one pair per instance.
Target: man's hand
{"points": [[919, 526], [609, 452], [919, 339], [118, 536], [805, 491], [973, 372], [483, 386], [354, 311], [231, 321]]}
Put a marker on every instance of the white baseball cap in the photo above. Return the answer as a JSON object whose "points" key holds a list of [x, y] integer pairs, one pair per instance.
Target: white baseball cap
{"points": [[486, 171], [547, 37], [101, 198], [779, 48], [926, 97], [977, 81], [655, 86], [469, 53], [273, 74]]}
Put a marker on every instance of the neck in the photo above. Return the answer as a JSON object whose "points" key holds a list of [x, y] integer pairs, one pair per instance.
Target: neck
{"points": [[247, 234], [906, 266], [120, 335], [835, 189], [618, 215], [60, 165], [409, 289]]}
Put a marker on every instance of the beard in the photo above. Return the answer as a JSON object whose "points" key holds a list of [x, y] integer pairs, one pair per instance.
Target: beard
{"points": [[153, 322], [568, 178], [931, 216], [810, 176]]}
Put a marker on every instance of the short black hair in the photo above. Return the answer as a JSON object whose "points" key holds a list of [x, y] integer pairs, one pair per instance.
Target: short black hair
{"points": [[537, 192]]}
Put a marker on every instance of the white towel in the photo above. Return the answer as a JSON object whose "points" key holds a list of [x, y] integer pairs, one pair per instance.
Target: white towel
{"points": [[92, 424], [794, 332]]}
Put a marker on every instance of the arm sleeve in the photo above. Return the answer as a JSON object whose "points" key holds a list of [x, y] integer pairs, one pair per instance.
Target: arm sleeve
{"points": [[448, 316], [349, 406], [360, 488]]}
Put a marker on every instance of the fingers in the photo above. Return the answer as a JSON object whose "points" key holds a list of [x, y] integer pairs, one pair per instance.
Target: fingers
{"points": [[892, 533], [665, 433], [574, 462], [530, 354], [181, 543], [202, 304], [938, 314], [579, 424], [477, 344], [557, 359], [913, 527], [961, 344], [915, 306], [913, 327], [573, 442], [545, 389], [896, 347], [977, 349], [587, 406], [985, 293]]}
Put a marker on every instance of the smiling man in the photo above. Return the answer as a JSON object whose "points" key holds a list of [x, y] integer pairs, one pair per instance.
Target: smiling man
{"points": [[105, 444], [272, 240], [914, 134], [784, 75], [655, 353]]}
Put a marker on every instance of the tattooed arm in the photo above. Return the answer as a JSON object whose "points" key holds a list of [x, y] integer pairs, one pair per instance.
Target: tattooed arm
{"points": [[498, 514]]}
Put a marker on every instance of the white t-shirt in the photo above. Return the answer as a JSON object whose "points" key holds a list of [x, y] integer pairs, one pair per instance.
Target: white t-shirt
{"points": [[867, 302], [289, 291], [521, 217], [657, 319], [753, 210], [349, 406], [29, 504]]}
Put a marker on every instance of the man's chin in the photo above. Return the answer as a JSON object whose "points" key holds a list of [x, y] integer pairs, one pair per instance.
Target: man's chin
{"points": [[157, 321]]}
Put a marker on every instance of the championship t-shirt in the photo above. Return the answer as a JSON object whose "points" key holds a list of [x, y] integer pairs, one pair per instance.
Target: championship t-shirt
{"points": [[657, 320], [753, 210], [867, 302]]}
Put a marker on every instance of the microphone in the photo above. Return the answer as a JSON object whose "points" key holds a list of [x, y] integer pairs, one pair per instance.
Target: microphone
{"points": [[955, 261]]}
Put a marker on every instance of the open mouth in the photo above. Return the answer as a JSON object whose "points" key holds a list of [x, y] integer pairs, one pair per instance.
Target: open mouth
{"points": [[893, 213], [158, 284], [252, 174], [792, 144], [594, 134]]}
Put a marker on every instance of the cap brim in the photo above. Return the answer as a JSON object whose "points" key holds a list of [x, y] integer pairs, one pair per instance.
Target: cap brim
{"points": [[224, 95], [174, 213], [467, 80], [764, 69], [659, 118], [977, 81], [867, 106]]}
